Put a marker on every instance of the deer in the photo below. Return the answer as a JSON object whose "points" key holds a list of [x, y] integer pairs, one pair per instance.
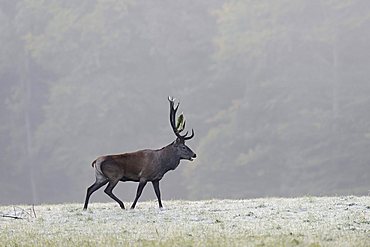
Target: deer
{"points": [[143, 166]]}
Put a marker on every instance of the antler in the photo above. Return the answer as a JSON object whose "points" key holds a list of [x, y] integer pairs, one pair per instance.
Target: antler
{"points": [[177, 131]]}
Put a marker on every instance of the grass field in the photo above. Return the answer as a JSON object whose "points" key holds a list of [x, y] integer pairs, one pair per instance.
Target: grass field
{"points": [[307, 221]]}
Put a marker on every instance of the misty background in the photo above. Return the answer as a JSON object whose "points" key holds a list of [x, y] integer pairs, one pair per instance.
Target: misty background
{"points": [[278, 94]]}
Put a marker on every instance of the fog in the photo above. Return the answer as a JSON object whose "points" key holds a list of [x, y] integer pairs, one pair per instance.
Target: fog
{"points": [[278, 94]]}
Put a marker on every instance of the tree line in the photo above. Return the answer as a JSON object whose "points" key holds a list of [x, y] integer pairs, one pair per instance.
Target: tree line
{"points": [[277, 93]]}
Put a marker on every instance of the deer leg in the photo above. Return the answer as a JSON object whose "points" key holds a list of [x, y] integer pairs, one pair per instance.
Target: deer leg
{"points": [[109, 192], [157, 192], [138, 193], [97, 185]]}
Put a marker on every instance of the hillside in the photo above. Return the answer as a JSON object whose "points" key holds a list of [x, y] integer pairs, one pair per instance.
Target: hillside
{"points": [[306, 221]]}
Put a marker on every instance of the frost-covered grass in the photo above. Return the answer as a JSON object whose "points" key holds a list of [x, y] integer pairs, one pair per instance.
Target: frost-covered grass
{"points": [[307, 221]]}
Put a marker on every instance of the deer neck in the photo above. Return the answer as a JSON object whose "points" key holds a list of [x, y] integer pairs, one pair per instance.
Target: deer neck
{"points": [[169, 159]]}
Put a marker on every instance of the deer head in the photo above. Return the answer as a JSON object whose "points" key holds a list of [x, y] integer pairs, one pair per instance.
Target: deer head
{"points": [[182, 150]]}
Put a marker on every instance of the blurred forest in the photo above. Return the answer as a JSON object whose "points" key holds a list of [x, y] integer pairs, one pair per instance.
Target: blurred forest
{"points": [[278, 93]]}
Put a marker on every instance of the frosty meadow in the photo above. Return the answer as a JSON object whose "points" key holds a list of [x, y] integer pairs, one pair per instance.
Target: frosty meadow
{"points": [[306, 221]]}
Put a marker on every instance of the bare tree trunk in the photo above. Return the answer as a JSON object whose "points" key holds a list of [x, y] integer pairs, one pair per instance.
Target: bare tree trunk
{"points": [[335, 82], [335, 145], [25, 78]]}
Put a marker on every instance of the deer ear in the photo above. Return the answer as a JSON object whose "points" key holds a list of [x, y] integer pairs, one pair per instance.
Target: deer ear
{"points": [[178, 141]]}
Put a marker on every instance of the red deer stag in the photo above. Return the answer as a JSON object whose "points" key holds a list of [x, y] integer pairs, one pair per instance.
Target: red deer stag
{"points": [[142, 166]]}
